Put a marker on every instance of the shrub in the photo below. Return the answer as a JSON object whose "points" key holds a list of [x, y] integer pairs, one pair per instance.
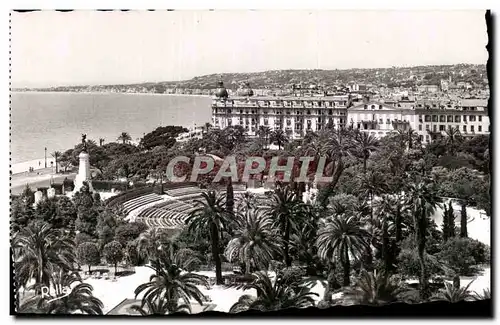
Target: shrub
{"points": [[409, 264], [129, 231], [88, 253], [463, 254], [113, 253], [82, 237]]}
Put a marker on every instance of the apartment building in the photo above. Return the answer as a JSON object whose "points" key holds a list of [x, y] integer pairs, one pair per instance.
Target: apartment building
{"points": [[298, 114]]}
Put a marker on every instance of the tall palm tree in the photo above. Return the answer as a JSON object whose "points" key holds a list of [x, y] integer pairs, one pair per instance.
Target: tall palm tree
{"points": [[422, 196], [279, 137], [376, 288], [254, 240], [340, 236], [286, 211], [41, 251], [283, 293], [79, 299], [453, 136], [408, 137], [365, 144], [172, 285], [56, 155], [337, 145], [124, 137], [264, 132], [210, 215]]}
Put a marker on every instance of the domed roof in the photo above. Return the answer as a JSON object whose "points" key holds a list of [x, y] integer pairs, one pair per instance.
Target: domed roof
{"points": [[221, 91]]}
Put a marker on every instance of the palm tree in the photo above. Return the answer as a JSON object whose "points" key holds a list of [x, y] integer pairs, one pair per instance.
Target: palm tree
{"points": [[172, 285], [124, 137], [453, 136], [286, 211], [155, 243], [486, 294], [283, 293], [375, 288], [79, 299], [56, 155], [452, 292], [254, 241], [41, 251], [337, 145], [422, 196], [340, 236], [159, 306], [408, 136], [264, 132], [365, 145], [210, 215], [279, 137]]}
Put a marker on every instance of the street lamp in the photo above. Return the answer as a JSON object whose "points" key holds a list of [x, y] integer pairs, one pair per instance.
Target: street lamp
{"points": [[45, 157]]}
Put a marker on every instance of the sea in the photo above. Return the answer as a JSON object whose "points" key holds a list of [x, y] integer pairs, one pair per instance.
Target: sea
{"points": [[56, 120]]}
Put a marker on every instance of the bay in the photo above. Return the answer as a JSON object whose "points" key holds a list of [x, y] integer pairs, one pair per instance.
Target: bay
{"points": [[56, 120]]}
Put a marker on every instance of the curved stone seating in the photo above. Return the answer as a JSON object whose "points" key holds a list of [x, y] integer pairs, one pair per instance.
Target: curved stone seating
{"points": [[183, 191], [133, 204]]}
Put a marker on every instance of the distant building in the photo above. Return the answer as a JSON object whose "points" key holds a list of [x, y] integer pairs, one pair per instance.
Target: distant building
{"points": [[428, 88]]}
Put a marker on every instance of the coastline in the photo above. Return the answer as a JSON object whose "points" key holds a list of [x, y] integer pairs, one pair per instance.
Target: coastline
{"points": [[23, 166], [106, 92]]}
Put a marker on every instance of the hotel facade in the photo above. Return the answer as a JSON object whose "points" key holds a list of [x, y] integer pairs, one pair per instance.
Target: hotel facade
{"points": [[297, 115]]}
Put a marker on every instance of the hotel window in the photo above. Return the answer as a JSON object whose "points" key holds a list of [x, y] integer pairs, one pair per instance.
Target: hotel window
{"points": [[379, 106], [427, 127], [480, 118], [420, 118], [441, 127], [427, 118], [434, 118], [319, 104], [442, 118], [266, 121], [465, 118], [427, 138], [450, 118], [421, 137], [241, 111], [381, 121], [373, 106], [420, 127], [366, 106], [480, 128], [465, 128], [330, 112], [472, 128], [434, 128], [308, 112], [388, 121], [472, 118], [457, 119]]}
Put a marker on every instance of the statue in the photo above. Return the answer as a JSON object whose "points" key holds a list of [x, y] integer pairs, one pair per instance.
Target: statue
{"points": [[84, 142]]}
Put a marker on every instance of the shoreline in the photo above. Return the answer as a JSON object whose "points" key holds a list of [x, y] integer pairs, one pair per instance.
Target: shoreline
{"points": [[23, 166], [106, 92]]}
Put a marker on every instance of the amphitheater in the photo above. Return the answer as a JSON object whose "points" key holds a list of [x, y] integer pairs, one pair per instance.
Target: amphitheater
{"points": [[166, 209]]}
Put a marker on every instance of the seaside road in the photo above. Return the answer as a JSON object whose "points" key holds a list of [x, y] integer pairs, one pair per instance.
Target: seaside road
{"points": [[19, 181]]}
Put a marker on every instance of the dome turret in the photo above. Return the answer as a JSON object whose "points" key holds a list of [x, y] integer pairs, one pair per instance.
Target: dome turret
{"points": [[221, 91]]}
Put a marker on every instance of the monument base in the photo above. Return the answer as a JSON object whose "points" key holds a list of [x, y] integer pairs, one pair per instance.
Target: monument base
{"points": [[79, 184]]}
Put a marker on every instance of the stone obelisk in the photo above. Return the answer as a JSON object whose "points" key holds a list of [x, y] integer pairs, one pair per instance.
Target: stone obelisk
{"points": [[83, 167]]}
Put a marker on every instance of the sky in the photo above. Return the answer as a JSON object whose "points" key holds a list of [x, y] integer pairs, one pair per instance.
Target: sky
{"points": [[89, 47]]}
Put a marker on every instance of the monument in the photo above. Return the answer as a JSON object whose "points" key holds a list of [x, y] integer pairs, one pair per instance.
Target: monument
{"points": [[83, 167]]}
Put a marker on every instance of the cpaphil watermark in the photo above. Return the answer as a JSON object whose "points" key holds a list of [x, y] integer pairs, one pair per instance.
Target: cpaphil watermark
{"points": [[182, 168]]}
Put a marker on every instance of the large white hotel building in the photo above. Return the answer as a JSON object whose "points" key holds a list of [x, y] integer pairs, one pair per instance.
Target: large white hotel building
{"points": [[298, 114]]}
